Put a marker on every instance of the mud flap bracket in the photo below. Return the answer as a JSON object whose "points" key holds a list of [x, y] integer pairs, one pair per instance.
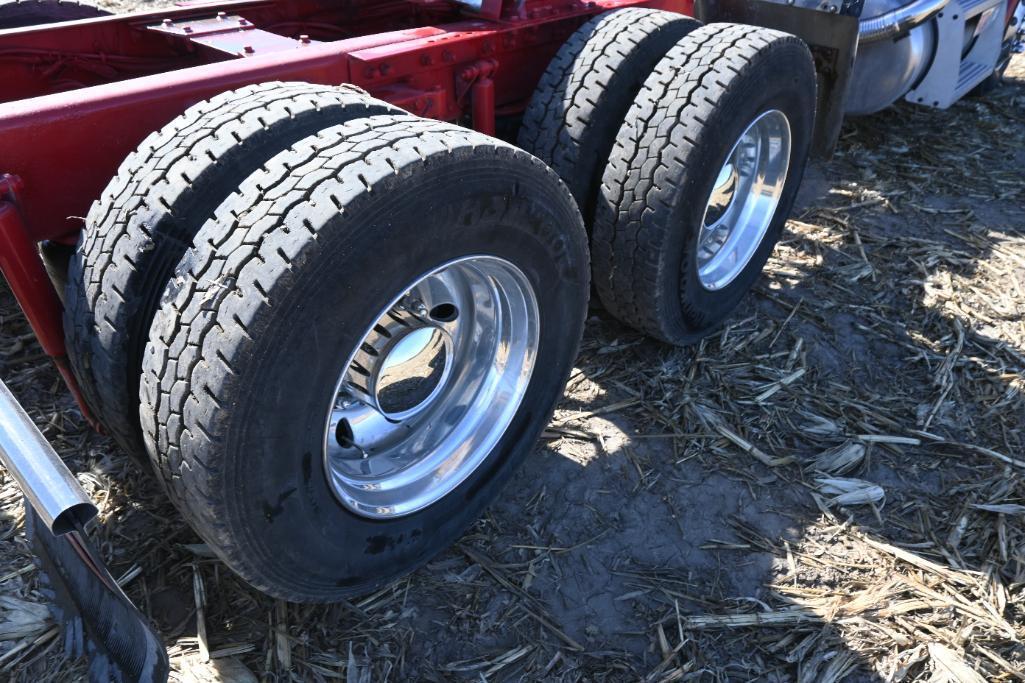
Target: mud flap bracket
{"points": [[831, 32]]}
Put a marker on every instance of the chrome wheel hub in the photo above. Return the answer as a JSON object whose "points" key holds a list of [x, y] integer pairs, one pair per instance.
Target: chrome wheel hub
{"points": [[743, 200], [431, 387]]}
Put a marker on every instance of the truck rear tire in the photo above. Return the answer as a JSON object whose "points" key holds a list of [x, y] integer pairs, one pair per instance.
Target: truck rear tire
{"points": [[136, 233], [583, 96], [702, 178], [22, 13], [363, 344]]}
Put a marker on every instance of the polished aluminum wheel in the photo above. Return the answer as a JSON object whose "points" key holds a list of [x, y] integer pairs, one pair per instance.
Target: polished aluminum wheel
{"points": [[744, 200], [432, 387]]}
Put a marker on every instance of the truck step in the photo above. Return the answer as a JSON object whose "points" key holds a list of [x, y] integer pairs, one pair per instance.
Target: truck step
{"points": [[967, 49]]}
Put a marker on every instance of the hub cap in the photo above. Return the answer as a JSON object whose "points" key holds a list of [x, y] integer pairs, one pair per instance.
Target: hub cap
{"points": [[744, 199], [431, 387]]}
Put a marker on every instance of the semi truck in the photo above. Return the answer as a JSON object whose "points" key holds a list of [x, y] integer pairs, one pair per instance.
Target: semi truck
{"points": [[325, 264]]}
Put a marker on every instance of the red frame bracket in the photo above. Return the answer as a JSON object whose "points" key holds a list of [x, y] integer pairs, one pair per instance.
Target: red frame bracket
{"points": [[229, 34], [23, 269]]}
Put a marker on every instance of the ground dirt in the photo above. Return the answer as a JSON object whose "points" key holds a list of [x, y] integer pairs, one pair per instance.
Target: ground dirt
{"points": [[831, 488]]}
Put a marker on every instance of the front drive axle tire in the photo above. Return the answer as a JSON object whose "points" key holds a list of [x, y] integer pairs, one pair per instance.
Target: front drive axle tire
{"points": [[363, 344], [702, 178], [579, 105]]}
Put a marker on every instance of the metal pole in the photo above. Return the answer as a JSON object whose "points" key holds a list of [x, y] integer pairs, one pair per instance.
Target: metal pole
{"points": [[49, 485]]}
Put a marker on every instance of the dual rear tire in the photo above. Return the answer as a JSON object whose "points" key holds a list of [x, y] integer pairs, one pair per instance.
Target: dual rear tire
{"points": [[701, 151], [270, 305], [282, 288]]}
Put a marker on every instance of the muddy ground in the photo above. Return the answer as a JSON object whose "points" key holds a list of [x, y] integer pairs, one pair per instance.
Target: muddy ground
{"points": [[832, 488]]}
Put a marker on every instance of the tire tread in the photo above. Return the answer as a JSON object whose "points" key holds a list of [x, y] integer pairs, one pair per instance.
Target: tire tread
{"points": [[148, 214], [664, 126], [253, 246], [580, 102]]}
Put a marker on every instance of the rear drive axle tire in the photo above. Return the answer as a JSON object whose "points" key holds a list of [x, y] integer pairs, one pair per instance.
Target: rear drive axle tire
{"points": [[23, 13], [702, 178], [319, 388], [583, 96], [138, 230]]}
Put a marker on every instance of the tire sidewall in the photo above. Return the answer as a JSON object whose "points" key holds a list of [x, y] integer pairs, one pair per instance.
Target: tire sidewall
{"points": [[281, 503], [779, 79]]}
